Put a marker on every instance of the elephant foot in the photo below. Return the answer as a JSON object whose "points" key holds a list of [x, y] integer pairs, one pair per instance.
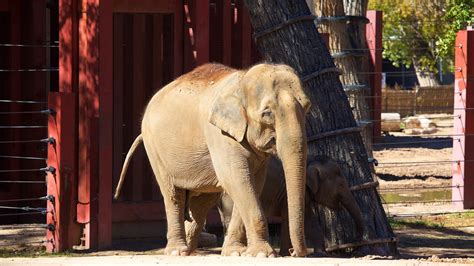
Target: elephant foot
{"points": [[260, 250], [234, 249], [177, 250]]}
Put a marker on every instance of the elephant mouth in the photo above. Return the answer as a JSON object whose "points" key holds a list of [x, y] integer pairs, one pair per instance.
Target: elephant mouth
{"points": [[270, 146]]}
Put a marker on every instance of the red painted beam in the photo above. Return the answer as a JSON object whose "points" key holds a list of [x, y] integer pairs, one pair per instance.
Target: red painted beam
{"points": [[68, 45], [373, 33], [88, 110], [463, 146], [227, 19], [178, 38], [189, 41], [143, 6], [106, 124], [63, 157], [202, 32]]}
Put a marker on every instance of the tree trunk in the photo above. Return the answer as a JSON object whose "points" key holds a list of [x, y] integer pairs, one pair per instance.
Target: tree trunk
{"points": [[348, 48], [299, 45]]}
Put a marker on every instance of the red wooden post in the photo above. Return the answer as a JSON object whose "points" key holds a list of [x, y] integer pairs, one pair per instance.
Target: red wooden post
{"points": [[106, 124], [89, 104], [202, 32], [178, 38], [246, 35], [189, 41], [61, 184], [68, 45], [63, 155], [463, 139], [373, 33], [227, 32]]}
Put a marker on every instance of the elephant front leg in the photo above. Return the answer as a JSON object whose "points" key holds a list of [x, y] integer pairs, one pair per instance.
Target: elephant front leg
{"points": [[176, 245], [235, 242], [247, 217]]}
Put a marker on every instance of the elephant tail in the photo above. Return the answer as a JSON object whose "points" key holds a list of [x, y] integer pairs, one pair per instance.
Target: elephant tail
{"points": [[130, 152]]}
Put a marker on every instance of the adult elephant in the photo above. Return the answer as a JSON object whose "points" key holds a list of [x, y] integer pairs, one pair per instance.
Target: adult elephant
{"points": [[326, 186], [213, 130]]}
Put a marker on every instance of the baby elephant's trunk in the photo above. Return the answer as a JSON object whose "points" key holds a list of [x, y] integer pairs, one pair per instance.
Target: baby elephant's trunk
{"points": [[348, 201]]}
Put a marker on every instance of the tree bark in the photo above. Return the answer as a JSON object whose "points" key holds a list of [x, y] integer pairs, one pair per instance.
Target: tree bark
{"points": [[348, 47], [299, 45]]}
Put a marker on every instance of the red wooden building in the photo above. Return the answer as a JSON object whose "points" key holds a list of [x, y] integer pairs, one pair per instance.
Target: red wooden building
{"points": [[117, 63], [112, 56]]}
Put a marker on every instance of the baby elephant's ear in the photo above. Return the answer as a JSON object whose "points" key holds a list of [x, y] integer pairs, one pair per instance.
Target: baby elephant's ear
{"points": [[228, 114], [314, 177]]}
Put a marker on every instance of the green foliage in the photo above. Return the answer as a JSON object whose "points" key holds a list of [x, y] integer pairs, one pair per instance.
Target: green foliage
{"points": [[458, 14], [422, 31]]}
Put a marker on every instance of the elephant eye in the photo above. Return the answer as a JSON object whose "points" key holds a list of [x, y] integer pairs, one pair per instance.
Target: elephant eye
{"points": [[267, 117]]}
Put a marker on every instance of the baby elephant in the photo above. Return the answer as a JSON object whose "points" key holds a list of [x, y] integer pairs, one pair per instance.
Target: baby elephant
{"points": [[325, 186]]}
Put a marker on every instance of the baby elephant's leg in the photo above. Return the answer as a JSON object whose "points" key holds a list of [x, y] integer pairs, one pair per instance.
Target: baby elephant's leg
{"points": [[199, 206]]}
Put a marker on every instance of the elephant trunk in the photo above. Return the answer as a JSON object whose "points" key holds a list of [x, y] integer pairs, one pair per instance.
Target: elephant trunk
{"points": [[348, 201], [292, 152]]}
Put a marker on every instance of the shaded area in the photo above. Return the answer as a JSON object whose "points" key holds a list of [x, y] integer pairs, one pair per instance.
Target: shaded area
{"points": [[432, 142], [423, 241], [393, 177]]}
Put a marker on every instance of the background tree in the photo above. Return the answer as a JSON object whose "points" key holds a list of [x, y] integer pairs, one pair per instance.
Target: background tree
{"points": [[348, 47], [422, 32]]}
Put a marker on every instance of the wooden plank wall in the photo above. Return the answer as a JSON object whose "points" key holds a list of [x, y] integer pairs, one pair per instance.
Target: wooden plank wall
{"points": [[142, 56], [141, 66]]}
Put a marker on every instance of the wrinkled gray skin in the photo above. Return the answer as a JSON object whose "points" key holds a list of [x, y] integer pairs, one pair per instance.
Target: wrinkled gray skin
{"points": [[214, 130], [325, 186]]}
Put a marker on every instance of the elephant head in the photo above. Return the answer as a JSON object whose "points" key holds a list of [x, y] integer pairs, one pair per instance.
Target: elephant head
{"points": [[329, 188], [264, 109]]}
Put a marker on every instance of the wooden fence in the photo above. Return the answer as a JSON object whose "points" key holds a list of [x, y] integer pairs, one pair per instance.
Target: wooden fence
{"points": [[426, 100]]}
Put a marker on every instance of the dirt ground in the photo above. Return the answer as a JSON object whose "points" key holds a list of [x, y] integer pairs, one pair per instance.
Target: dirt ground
{"points": [[427, 234], [408, 163]]}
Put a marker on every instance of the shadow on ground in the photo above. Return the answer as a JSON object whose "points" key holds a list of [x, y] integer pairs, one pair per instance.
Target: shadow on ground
{"points": [[391, 177], [437, 143], [422, 241]]}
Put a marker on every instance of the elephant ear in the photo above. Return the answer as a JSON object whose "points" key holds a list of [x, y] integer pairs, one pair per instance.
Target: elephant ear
{"points": [[228, 114]]}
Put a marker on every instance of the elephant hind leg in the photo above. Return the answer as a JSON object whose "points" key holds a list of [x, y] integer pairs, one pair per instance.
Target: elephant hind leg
{"points": [[199, 206], [174, 207]]}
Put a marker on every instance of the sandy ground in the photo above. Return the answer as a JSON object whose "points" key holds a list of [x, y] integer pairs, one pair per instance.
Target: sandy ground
{"points": [[422, 245], [208, 260], [410, 162]]}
